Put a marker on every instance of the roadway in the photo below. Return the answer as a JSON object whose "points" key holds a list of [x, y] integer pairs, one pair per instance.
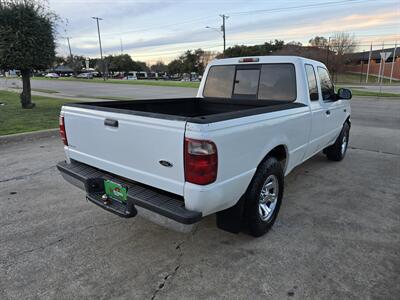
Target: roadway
{"points": [[95, 89]]}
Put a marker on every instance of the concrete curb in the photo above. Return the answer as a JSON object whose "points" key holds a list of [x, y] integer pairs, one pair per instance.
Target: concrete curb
{"points": [[18, 137]]}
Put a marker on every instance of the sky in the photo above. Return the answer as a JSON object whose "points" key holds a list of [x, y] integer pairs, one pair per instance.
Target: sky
{"points": [[161, 30]]}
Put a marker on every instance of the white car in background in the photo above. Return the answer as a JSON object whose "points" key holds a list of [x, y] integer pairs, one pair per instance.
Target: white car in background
{"points": [[52, 75], [130, 76], [85, 76]]}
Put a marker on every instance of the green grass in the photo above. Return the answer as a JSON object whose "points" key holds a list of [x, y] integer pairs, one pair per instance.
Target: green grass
{"points": [[36, 90], [133, 82], [374, 94], [351, 78], [14, 119], [366, 93]]}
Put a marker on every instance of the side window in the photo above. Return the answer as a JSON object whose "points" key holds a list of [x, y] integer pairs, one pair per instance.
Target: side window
{"points": [[219, 82], [246, 82], [312, 82], [277, 82], [327, 89]]}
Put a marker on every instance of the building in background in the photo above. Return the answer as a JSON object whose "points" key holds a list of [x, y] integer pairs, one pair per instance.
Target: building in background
{"points": [[358, 63]]}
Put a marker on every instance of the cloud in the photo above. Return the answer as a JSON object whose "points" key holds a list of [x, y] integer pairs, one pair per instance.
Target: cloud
{"points": [[123, 19]]}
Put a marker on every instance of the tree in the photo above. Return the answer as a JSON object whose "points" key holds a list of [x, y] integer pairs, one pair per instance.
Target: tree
{"points": [[175, 67], [59, 60], [263, 49], [26, 40], [76, 63], [140, 66], [121, 63], [159, 67], [343, 42], [318, 41], [294, 43]]}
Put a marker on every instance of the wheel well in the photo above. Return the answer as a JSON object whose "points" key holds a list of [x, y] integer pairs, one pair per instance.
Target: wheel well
{"points": [[280, 153], [348, 121]]}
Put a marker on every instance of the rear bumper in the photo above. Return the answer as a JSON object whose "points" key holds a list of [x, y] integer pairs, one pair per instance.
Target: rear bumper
{"points": [[91, 180]]}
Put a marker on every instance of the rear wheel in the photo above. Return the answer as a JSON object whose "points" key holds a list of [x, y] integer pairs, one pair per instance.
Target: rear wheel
{"points": [[264, 197], [337, 151]]}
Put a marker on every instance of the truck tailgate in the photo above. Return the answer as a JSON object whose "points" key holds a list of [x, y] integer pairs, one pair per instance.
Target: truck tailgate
{"points": [[132, 148]]}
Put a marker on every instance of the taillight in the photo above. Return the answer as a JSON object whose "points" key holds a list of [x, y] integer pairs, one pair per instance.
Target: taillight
{"points": [[201, 161], [63, 133]]}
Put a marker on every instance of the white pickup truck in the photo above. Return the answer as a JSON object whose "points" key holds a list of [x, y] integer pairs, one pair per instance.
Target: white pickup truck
{"points": [[226, 151]]}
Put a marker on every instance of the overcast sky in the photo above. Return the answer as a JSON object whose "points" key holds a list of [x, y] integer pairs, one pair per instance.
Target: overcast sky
{"points": [[161, 30]]}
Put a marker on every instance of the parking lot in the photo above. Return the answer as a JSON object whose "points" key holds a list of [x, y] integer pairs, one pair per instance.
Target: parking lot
{"points": [[337, 235]]}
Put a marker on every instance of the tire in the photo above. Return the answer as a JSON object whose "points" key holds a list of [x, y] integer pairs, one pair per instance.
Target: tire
{"points": [[338, 150], [256, 216]]}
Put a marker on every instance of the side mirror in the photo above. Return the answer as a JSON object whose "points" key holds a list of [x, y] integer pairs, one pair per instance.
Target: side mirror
{"points": [[344, 94]]}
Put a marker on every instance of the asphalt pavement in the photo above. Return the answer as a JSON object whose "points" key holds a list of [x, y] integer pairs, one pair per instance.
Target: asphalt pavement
{"points": [[337, 235]]}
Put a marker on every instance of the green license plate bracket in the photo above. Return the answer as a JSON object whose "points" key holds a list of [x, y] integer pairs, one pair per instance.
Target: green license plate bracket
{"points": [[115, 190]]}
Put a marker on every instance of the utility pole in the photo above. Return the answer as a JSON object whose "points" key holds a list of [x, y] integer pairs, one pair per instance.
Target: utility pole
{"points": [[69, 47], [224, 17], [122, 48], [393, 61], [70, 55], [101, 50]]}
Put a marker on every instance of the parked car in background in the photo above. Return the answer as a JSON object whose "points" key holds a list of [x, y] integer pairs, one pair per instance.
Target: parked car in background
{"points": [[52, 75], [185, 77], [141, 75], [152, 75], [85, 76], [131, 76]]}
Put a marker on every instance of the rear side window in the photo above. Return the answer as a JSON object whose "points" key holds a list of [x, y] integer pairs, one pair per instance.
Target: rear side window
{"points": [[219, 82], [246, 82], [312, 83], [277, 82], [327, 89]]}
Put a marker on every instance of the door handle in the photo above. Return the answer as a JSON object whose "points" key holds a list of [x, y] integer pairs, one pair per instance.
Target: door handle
{"points": [[111, 123], [328, 112]]}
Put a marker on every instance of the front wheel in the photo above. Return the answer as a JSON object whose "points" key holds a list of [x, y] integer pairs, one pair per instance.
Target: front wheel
{"points": [[264, 197], [337, 151]]}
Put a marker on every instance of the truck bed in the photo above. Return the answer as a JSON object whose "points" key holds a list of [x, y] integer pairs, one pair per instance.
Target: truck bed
{"points": [[195, 110]]}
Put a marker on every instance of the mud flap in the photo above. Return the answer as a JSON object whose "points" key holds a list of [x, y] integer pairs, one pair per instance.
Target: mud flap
{"points": [[231, 219]]}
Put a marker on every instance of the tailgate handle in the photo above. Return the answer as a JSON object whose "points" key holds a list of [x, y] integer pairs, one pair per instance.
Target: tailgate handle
{"points": [[110, 122]]}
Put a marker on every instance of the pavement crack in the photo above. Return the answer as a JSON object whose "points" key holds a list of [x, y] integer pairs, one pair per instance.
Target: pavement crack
{"points": [[42, 247], [21, 177], [171, 275], [60, 239], [375, 151]]}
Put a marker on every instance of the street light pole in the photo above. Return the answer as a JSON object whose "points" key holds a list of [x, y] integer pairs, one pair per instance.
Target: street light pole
{"points": [[101, 50]]}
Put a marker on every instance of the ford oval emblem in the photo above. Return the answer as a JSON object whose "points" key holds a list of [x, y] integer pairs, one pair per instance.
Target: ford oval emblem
{"points": [[166, 163]]}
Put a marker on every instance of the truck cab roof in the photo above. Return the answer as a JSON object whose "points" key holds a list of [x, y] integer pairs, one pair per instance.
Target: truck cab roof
{"points": [[265, 59]]}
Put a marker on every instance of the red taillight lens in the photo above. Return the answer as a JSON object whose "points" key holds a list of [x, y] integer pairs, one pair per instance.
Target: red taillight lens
{"points": [[201, 161], [63, 133]]}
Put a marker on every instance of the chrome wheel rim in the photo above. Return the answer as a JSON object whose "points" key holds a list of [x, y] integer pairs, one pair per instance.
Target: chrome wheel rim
{"points": [[344, 144], [268, 197]]}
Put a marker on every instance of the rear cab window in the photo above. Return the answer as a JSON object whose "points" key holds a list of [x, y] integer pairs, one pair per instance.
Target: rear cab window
{"points": [[272, 81]]}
